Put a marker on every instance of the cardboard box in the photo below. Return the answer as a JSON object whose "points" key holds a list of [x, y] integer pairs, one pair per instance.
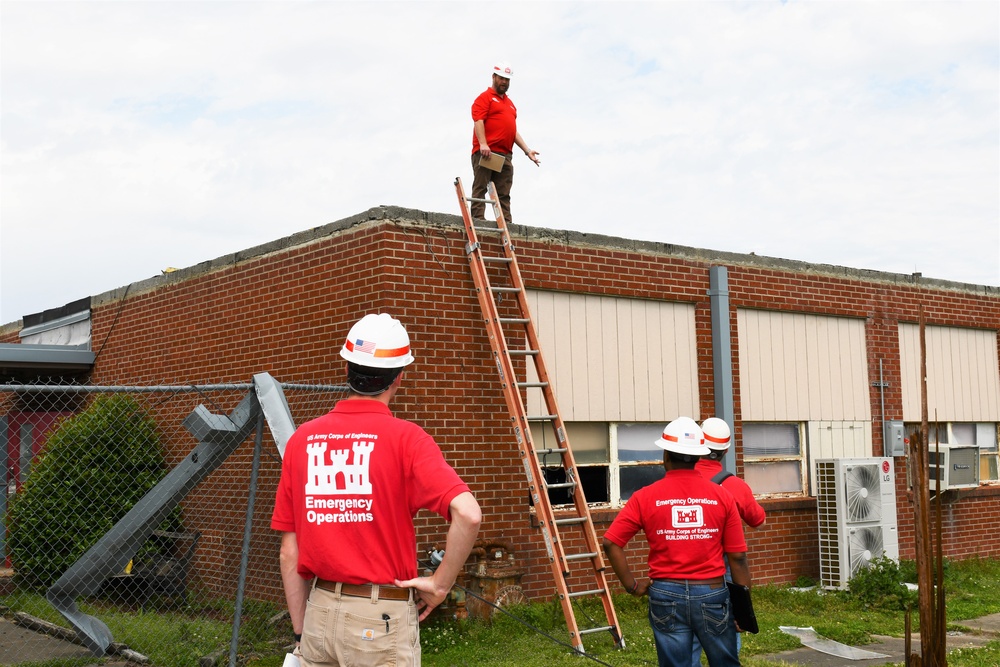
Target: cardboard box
{"points": [[494, 162]]}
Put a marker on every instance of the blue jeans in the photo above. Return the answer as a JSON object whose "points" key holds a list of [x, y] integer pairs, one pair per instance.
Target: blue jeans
{"points": [[680, 612], [696, 650]]}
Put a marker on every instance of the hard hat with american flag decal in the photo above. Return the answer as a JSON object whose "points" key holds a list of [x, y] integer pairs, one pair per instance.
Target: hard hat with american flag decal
{"points": [[683, 436], [378, 341]]}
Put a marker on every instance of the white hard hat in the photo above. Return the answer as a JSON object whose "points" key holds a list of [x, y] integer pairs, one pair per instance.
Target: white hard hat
{"points": [[503, 69], [378, 341], [717, 434], [683, 436]]}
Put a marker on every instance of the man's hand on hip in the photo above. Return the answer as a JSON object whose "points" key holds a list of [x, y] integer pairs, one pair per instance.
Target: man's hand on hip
{"points": [[427, 593]]}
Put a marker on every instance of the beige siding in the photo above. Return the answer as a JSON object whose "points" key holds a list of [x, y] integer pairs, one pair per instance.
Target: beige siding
{"points": [[798, 367], [963, 374], [835, 439], [621, 360]]}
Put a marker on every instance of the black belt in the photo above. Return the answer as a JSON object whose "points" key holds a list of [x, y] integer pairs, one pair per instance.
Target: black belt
{"points": [[714, 582], [385, 591]]}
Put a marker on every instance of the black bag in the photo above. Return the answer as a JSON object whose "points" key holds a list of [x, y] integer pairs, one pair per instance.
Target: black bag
{"points": [[743, 607]]}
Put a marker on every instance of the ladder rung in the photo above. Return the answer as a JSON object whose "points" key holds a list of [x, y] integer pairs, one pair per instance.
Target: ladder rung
{"points": [[592, 554], [477, 199], [560, 485], [541, 418], [498, 260], [580, 594], [514, 320], [506, 290], [588, 631], [551, 450], [571, 520], [532, 385], [522, 353]]}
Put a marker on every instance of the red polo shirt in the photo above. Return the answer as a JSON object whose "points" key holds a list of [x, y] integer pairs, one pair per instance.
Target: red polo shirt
{"points": [[499, 116], [689, 523], [351, 483]]}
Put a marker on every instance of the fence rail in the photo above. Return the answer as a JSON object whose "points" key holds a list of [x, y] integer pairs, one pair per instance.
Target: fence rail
{"points": [[203, 586]]}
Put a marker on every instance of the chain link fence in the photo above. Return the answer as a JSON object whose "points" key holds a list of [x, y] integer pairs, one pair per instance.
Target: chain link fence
{"points": [[202, 585]]}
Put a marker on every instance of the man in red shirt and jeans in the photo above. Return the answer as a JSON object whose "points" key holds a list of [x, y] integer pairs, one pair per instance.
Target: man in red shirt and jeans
{"points": [[495, 132], [689, 523]]}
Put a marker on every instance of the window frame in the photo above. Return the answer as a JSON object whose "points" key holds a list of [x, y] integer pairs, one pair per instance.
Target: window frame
{"points": [[802, 458], [613, 465]]}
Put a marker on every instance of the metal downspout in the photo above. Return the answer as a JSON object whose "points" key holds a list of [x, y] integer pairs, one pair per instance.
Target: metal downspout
{"points": [[722, 356]]}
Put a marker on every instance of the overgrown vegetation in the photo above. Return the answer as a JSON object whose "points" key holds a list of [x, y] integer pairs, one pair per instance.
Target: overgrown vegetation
{"points": [[882, 585], [95, 466]]}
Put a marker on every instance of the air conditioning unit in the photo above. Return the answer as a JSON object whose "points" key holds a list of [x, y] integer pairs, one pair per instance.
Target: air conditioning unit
{"points": [[856, 507], [953, 467]]}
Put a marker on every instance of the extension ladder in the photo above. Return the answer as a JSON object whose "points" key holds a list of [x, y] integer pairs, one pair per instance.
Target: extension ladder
{"points": [[588, 564]]}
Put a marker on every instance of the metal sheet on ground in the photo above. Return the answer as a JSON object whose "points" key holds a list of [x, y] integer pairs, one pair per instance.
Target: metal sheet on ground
{"points": [[809, 638]]}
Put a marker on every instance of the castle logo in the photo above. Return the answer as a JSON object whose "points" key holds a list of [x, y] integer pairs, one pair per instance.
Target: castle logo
{"points": [[687, 516], [339, 476]]}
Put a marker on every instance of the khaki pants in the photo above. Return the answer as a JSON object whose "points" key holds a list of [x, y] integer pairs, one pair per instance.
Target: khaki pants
{"points": [[503, 180], [344, 631]]}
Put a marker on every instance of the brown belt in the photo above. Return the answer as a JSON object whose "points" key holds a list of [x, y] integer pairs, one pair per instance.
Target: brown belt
{"points": [[714, 582], [385, 591]]}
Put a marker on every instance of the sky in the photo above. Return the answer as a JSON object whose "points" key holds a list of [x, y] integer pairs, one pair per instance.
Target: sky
{"points": [[136, 136]]}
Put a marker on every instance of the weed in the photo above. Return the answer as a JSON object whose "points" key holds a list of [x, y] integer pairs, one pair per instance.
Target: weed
{"points": [[880, 585]]}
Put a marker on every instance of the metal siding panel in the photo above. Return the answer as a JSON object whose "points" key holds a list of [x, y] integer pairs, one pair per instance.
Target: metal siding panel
{"points": [[750, 335], [540, 304], [596, 352], [780, 371], [611, 380], [580, 377], [969, 384], [749, 364], [688, 392], [861, 406], [840, 365], [798, 367], [909, 377], [990, 409], [626, 369], [674, 382], [656, 353], [844, 387], [939, 380], [765, 366], [743, 352], [963, 383], [640, 361], [814, 365], [799, 405], [828, 368], [560, 362]]}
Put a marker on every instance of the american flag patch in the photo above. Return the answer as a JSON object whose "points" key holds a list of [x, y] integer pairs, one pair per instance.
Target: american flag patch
{"points": [[365, 346]]}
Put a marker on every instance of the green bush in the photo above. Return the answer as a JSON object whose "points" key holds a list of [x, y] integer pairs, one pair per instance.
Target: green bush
{"points": [[93, 469], [880, 585]]}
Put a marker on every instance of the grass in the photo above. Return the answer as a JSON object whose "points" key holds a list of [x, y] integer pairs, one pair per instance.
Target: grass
{"points": [[179, 638]]}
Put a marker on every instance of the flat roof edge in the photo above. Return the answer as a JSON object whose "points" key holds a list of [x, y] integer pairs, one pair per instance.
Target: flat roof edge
{"points": [[26, 355]]}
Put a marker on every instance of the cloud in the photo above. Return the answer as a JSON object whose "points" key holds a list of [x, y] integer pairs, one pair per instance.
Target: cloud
{"points": [[136, 136]]}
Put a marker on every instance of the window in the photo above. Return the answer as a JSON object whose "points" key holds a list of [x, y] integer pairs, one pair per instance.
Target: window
{"points": [[773, 459], [982, 434], [613, 460]]}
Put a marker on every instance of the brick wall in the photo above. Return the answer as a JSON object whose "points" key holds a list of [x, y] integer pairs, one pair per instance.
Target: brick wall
{"points": [[284, 309]]}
